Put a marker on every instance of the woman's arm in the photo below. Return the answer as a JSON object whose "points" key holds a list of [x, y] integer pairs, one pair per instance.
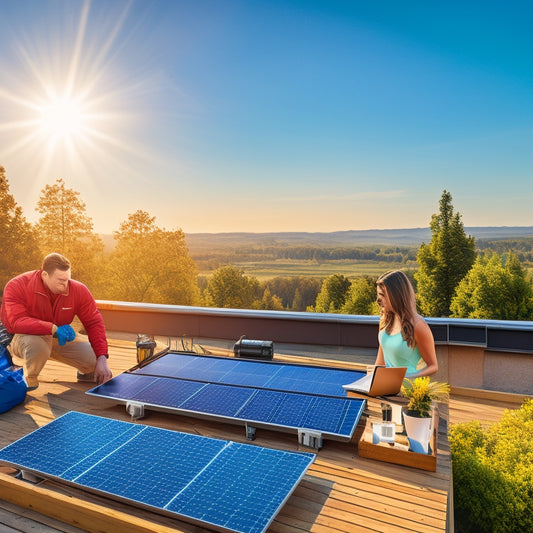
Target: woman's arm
{"points": [[380, 360], [426, 346]]}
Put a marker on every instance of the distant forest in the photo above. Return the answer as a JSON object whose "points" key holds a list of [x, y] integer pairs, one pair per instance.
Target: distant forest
{"points": [[214, 258], [210, 254]]}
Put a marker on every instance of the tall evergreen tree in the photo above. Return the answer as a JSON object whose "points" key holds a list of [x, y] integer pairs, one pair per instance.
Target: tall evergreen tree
{"points": [[270, 301], [297, 302], [444, 262], [64, 227], [18, 245]]}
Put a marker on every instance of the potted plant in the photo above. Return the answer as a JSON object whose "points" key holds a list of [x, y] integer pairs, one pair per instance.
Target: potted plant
{"points": [[422, 393]]}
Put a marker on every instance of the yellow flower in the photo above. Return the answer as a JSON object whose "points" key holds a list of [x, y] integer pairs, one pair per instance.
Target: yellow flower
{"points": [[421, 392]]}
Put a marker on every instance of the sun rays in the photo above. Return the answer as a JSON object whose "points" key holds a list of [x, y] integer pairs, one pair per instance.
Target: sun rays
{"points": [[66, 110]]}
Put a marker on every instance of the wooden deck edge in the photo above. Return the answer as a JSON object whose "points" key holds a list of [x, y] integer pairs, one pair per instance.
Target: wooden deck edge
{"points": [[484, 394], [71, 510], [315, 361]]}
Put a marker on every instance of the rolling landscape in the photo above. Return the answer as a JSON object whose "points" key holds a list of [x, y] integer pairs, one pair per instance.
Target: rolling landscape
{"points": [[351, 253], [400, 237]]}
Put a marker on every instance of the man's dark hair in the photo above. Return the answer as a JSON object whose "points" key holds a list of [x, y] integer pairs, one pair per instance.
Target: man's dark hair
{"points": [[53, 262]]}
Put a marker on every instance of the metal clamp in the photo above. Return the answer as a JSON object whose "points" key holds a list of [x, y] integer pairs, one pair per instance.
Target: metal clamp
{"points": [[135, 409], [250, 432], [310, 438]]}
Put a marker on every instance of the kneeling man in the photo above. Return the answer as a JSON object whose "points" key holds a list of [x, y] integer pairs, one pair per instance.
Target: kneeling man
{"points": [[38, 308]]}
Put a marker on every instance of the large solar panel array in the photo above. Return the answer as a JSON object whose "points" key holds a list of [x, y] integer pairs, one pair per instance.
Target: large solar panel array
{"points": [[217, 483], [334, 417], [327, 381]]}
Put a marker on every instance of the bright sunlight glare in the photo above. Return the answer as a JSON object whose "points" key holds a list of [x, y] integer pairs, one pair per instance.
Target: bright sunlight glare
{"points": [[63, 117], [68, 111]]}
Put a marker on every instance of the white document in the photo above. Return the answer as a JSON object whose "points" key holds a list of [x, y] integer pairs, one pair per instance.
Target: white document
{"points": [[362, 384]]}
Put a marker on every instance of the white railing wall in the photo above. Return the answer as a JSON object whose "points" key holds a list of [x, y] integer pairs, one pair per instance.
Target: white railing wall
{"points": [[482, 354]]}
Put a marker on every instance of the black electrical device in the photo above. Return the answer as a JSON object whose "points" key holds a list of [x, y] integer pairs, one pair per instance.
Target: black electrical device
{"points": [[253, 349]]}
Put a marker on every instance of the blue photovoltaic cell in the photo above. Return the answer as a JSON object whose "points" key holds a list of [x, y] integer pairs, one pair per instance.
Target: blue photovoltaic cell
{"points": [[246, 379], [222, 484], [126, 385], [258, 374], [293, 409], [263, 406], [202, 497], [221, 400], [165, 392], [333, 416], [253, 374], [168, 366]]}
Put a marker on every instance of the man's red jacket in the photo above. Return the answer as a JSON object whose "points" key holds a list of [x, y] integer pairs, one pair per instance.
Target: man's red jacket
{"points": [[27, 309]]}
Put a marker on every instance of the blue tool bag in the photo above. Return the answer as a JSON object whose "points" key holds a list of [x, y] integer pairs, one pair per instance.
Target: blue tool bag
{"points": [[12, 383]]}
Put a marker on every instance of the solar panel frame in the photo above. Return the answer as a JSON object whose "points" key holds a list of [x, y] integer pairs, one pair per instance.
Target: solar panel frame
{"points": [[259, 408], [71, 449]]}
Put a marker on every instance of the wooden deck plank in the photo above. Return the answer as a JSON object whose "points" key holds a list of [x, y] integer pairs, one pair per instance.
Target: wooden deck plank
{"points": [[341, 491]]}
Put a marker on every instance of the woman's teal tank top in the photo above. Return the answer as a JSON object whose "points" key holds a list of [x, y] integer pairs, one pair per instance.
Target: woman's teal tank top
{"points": [[396, 352]]}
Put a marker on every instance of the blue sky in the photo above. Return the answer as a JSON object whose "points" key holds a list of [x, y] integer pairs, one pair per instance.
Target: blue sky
{"points": [[226, 115]]}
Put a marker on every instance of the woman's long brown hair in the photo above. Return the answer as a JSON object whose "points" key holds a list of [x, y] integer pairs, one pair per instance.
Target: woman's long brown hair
{"points": [[402, 300]]}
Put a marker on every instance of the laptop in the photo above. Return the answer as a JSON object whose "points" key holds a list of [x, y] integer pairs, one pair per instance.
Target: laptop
{"points": [[382, 381]]}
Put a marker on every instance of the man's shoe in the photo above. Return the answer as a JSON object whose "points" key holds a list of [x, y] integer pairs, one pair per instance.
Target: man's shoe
{"points": [[88, 378], [31, 383]]}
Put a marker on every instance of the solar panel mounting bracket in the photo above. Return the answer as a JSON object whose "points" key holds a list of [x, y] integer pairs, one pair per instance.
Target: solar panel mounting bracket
{"points": [[310, 438], [30, 477], [135, 409], [250, 432]]}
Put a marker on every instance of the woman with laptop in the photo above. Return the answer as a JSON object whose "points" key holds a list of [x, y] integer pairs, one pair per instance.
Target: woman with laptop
{"points": [[405, 339]]}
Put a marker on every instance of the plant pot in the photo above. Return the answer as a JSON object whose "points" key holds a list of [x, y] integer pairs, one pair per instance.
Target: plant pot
{"points": [[418, 432]]}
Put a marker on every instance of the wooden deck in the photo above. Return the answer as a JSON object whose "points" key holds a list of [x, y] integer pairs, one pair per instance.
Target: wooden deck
{"points": [[341, 492]]}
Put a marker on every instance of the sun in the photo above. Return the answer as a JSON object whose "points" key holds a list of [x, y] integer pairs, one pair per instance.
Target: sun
{"points": [[66, 108], [63, 117]]}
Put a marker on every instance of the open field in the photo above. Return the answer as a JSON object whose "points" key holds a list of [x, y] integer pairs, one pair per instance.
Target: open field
{"points": [[269, 255], [265, 270]]}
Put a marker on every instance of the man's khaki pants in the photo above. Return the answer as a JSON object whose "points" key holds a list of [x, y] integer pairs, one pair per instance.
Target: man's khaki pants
{"points": [[32, 351]]}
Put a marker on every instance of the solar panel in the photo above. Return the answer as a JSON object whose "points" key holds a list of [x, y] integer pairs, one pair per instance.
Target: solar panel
{"points": [[327, 381], [287, 411], [215, 483]]}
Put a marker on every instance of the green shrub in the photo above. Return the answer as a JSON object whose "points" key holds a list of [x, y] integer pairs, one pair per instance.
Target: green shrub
{"points": [[493, 474]]}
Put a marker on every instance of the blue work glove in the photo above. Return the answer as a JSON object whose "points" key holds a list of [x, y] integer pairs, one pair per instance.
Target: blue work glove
{"points": [[65, 334]]}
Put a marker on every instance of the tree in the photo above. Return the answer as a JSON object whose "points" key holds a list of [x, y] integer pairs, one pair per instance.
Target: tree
{"points": [[332, 295], [64, 227], [494, 291], [444, 262], [361, 298], [270, 301], [19, 251], [151, 264], [297, 301], [296, 292], [229, 287]]}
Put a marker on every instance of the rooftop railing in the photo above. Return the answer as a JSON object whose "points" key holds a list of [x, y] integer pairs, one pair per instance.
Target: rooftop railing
{"points": [[488, 354]]}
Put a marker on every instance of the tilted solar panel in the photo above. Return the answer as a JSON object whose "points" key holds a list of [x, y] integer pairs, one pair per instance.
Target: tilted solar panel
{"points": [[334, 417], [216, 483], [327, 381]]}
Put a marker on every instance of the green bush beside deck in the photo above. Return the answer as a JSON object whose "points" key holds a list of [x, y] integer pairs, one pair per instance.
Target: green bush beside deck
{"points": [[493, 474]]}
